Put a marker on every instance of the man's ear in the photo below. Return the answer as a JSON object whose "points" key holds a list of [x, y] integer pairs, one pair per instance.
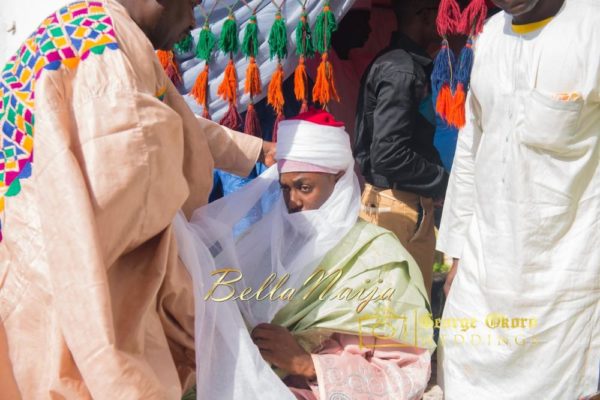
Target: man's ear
{"points": [[339, 175]]}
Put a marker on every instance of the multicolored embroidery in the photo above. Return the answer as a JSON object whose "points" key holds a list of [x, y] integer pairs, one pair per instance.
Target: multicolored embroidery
{"points": [[64, 39]]}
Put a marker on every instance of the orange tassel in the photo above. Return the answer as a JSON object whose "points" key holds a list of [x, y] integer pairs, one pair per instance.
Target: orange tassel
{"points": [[275, 94], [300, 79], [324, 89], [443, 105], [253, 84], [228, 88], [200, 89], [457, 112], [167, 61]]}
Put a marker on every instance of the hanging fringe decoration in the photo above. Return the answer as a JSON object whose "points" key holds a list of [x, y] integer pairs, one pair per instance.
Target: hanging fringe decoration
{"points": [[275, 94], [204, 50], [304, 49], [278, 48], [324, 89], [463, 78], [442, 80], [473, 18], [253, 85], [448, 18], [278, 37], [185, 45], [228, 44], [167, 61], [252, 123]]}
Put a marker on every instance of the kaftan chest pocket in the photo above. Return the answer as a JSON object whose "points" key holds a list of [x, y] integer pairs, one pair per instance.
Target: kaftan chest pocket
{"points": [[550, 123]]}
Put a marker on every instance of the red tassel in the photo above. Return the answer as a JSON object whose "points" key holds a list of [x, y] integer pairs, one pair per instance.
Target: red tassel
{"points": [[473, 18], [252, 123], [280, 117], [167, 61], [448, 17], [443, 105], [232, 118]]}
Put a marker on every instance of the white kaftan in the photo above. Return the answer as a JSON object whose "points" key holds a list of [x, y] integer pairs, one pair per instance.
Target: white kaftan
{"points": [[523, 215]]}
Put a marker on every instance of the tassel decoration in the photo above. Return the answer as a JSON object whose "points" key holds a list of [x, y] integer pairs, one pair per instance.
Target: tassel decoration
{"points": [[324, 27], [300, 80], [456, 116], [278, 48], [204, 51], [250, 42], [253, 85], [278, 38], [228, 88], [228, 41], [167, 61], [252, 123], [206, 44], [473, 18], [200, 89], [304, 41], [324, 90], [448, 18], [232, 118], [304, 49], [185, 45], [275, 94]]}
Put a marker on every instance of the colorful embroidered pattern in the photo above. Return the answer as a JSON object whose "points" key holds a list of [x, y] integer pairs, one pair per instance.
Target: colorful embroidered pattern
{"points": [[63, 39]]}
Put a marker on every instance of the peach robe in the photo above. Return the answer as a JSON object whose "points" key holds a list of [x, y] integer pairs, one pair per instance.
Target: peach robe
{"points": [[94, 302]]}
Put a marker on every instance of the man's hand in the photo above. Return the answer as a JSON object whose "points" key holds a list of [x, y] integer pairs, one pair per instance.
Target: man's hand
{"points": [[267, 154], [450, 276], [279, 347]]}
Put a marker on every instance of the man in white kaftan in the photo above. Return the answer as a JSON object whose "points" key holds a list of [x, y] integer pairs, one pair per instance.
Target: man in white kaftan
{"points": [[522, 214]]}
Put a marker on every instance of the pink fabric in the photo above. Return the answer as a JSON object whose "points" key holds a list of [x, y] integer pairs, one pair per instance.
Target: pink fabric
{"points": [[375, 368], [297, 166]]}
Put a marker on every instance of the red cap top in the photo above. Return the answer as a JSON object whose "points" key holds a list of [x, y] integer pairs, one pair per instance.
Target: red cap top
{"points": [[318, 116]]}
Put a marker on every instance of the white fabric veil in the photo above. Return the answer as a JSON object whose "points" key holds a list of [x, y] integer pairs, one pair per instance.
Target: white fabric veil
{"points": [[252, 231]]}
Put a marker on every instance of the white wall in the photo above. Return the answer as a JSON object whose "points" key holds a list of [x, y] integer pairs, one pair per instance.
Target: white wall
{"points": [[24, 16]]}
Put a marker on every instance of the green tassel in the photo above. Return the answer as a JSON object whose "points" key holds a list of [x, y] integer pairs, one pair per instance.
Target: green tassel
{"points": [[206, 44], [250, 42], [304, 47], [228, 41], [324, 27], [278, 38], [184, 45]]}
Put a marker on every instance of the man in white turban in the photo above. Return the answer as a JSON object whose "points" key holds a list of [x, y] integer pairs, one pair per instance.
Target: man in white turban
{"points": [[335, 305]]}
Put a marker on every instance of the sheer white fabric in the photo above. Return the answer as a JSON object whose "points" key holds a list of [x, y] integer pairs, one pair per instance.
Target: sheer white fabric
{"points": [[252, 231]]}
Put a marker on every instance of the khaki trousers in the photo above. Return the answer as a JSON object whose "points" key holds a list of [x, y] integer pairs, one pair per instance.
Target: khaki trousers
{"points": [[398, 212]]}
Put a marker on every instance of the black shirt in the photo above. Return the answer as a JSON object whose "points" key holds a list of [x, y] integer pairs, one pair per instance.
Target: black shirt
{"points": [[394, 142]]}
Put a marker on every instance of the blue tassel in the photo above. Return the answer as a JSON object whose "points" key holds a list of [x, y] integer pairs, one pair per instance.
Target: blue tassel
{"points": [[465, 65], [442, 69]]}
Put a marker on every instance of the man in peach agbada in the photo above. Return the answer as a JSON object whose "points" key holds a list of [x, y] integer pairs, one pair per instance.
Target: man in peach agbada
{"points": [[94, 302]]}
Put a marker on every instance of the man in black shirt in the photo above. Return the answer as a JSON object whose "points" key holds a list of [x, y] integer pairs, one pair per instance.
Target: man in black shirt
{"points": [[395, 125]]}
